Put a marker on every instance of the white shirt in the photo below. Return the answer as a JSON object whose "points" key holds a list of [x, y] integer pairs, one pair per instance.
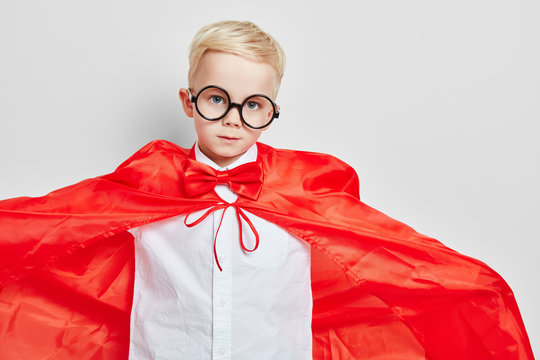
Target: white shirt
{"points": [[184, 307]]}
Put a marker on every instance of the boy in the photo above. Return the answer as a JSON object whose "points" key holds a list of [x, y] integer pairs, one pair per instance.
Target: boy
{"points": [[335, 280], [221, 294]]}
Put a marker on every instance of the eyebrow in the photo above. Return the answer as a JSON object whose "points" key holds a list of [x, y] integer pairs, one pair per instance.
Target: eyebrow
{"points": [[255, 93]]}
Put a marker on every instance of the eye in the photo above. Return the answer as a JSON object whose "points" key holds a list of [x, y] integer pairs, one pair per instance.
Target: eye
{"points": [[252, 105], [216, 99]]}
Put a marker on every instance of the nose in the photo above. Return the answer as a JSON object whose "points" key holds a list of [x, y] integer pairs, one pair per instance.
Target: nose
{"points": [[233, 118]]}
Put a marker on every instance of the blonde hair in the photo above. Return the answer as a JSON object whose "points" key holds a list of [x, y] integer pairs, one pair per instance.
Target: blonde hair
{"points": [[238, 37]]}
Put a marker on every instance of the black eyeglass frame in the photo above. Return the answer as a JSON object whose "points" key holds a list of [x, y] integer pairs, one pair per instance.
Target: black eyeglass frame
{"points": [[194, 98]]}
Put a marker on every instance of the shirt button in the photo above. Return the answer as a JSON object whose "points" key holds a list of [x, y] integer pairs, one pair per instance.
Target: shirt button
{"points": [[222, 302], [221, 351], [222, 258]]}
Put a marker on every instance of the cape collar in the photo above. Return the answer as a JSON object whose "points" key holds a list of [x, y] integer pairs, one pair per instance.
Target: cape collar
{"points": [[251, 155]]}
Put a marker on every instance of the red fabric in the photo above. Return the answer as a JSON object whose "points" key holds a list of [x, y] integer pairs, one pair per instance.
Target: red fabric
{"points": [[245, 180], [240, 214], [380, 289]]}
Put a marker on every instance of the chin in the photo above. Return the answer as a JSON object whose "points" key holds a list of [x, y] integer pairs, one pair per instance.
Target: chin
{"points": [[225, 155], [229, 152], [230, 156]]}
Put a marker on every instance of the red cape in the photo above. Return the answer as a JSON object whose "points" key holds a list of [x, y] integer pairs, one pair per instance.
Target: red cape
{"points": [[380, 289]]}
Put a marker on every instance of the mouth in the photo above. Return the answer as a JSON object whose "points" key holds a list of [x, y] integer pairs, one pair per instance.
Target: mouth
{"points": [[229, 138]]}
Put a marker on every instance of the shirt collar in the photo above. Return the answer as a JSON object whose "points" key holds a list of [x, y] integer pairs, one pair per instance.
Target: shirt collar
{"points": [[249, 156]]}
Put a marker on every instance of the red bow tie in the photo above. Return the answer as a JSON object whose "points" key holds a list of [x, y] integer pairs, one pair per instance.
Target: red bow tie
{"points": [[245, 180]]}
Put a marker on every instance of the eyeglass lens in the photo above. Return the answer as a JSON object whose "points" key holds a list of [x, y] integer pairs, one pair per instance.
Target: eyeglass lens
{"points": [[213, 103]]}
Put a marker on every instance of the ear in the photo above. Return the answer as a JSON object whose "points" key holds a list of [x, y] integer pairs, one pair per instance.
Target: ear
{"points": [[268, 127], [186, 102]]}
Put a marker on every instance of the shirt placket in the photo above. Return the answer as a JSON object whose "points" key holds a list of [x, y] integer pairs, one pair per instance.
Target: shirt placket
{"points": [[222, 286]]}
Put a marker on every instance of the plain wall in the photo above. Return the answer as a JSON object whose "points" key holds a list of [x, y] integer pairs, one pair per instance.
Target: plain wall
{"points": [[435, 104]]}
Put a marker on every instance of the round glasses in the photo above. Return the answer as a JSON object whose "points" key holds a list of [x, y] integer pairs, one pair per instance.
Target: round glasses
{"points": [[256, 111]]}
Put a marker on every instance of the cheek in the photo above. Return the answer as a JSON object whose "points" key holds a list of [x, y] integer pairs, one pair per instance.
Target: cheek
{"points": [[254, 135], [201, 126], [203, 132]]}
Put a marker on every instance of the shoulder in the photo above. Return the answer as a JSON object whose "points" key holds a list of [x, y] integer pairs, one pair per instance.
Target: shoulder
{"points": [[298, 156], [314, 171], [157, 167], [156, 148]]}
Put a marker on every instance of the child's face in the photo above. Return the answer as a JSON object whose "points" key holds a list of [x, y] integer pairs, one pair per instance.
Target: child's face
{"points": [[225, 140]]}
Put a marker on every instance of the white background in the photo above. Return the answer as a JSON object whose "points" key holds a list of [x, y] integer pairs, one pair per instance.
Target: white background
{"points": [[435, 104]]}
